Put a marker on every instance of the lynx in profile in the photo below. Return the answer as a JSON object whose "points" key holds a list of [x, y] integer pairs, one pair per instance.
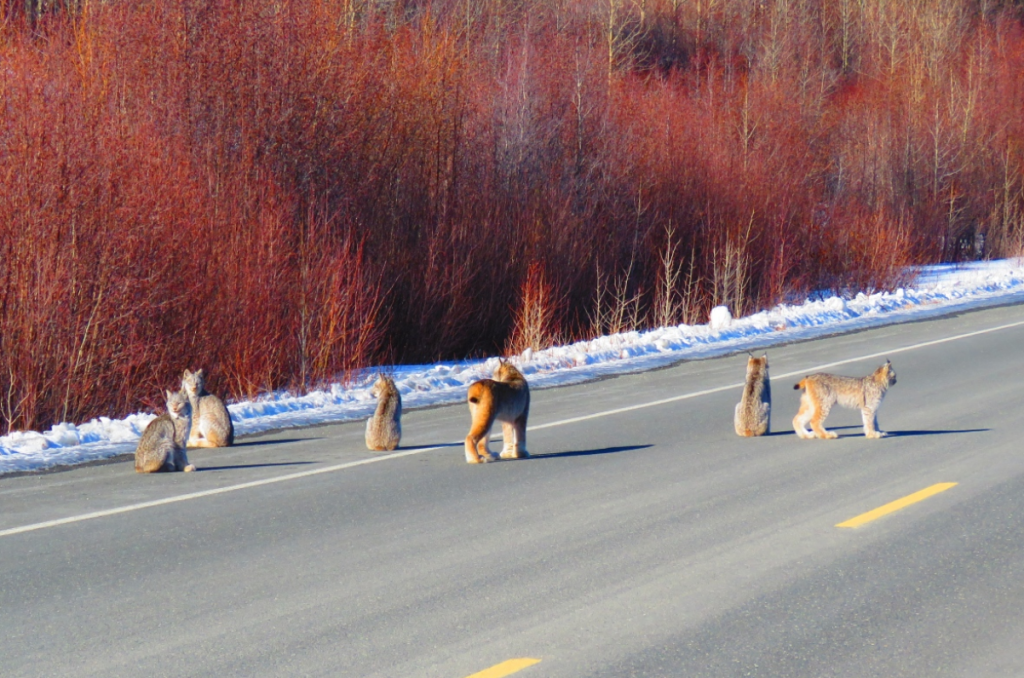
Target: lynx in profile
{"points": [[754, 410], [822, 391], [384, 428], [162, 446], [211, 423], [505, 398]]}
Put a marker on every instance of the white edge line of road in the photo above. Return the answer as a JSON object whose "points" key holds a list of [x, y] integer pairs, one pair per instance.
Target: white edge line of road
{"points": [[407, 453]]}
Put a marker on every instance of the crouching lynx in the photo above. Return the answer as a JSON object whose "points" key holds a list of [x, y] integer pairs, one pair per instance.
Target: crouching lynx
{"points": [[822, 391], [162, 446], [211, 422], [505, 398], [384, 428], [754, 410]]}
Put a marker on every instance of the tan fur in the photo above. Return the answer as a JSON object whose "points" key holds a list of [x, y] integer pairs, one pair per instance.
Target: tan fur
{"points": [[384, 428], [822, 391], [162, 446], [753, 412], [505, 398], [211, 422]]}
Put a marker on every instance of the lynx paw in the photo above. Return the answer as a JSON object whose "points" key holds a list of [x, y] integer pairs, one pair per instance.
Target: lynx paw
{"points": [[806, 435], [829, 435], [190, 468], [514, 454], [876, 434]]}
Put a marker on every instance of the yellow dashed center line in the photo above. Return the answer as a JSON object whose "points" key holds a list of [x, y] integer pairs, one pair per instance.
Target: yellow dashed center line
{"points": [[506, 668], [896, 505]]}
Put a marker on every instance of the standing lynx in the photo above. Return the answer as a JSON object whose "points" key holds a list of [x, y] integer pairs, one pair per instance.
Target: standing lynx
{"points": [[212, 425], [754, 410], [822, 391], [505, 398], [384, 428], [162, 446]]}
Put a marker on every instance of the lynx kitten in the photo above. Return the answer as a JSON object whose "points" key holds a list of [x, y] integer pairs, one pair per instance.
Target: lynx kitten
{"points": [[384, 428], [754, 410], [162, 446], [212, 425], [505, 398], [822, 391]]}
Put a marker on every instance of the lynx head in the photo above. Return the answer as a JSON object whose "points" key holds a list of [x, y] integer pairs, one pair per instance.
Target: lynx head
{"points": [[193, 383], [383, 386], [506, 371], [757, 366], [885, 375], [177, 405]]}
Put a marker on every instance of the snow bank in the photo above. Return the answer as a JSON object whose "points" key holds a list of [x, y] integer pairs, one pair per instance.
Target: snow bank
{"points": [[937, 290]]}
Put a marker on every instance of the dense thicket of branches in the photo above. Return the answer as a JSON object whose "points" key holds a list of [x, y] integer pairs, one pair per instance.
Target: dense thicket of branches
{"points": [[280, 191]]}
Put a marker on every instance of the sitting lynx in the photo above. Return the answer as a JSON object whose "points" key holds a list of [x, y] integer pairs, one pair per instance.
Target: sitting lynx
{"points": [[211, 423], [384, 428], [162, 446], [505, 398], [754, 410], [822, 391]]}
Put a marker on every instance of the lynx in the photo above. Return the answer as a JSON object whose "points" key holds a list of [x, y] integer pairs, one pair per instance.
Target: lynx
{"points": [[162, 446], [822, 391], [384, 428], [212, 425], [754, 410], [505, 398]]}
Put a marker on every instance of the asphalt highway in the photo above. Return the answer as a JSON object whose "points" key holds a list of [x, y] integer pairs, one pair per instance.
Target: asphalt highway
{"points": [[642, 538]]}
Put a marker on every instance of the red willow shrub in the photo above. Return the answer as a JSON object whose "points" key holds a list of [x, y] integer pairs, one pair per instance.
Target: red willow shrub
{"points": [[285, 192]]}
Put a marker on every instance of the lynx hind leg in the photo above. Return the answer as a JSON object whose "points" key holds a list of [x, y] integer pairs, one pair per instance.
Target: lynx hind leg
{"points": [[476, 442], [803, 416], [871, 424], [818, 422]]}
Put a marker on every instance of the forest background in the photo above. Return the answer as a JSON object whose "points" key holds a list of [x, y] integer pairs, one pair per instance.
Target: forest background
{"points": [[283, 192]]}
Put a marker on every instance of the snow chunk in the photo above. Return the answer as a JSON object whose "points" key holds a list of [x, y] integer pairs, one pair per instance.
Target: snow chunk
{"points": [[720, 318]]}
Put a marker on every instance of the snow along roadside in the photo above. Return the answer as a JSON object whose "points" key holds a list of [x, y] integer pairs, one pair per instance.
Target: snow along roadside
{"points": [[938, 290]]}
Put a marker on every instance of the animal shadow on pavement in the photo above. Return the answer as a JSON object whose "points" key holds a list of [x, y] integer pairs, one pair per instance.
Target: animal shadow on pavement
{"points": [[858, 432], [588, 453], [243, 466], [283, 441], [900, 434]]}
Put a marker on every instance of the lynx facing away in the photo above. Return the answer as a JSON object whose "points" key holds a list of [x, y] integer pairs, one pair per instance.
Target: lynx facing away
{"points": [[822, 391], [384, 428], [162, 446], [754, 410], [211, 423], [505, 398]]}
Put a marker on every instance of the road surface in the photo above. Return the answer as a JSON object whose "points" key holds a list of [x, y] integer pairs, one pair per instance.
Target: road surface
{"points": [[643, 538]]}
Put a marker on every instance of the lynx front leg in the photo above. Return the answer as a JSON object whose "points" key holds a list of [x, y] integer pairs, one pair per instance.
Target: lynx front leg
{"points": [[871, 425], [515, 439]]}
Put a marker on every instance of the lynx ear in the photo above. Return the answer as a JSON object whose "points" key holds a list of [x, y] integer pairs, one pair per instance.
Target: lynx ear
{"points": [[186, 375], [169, 395], [765, 357], [199, 373]]}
